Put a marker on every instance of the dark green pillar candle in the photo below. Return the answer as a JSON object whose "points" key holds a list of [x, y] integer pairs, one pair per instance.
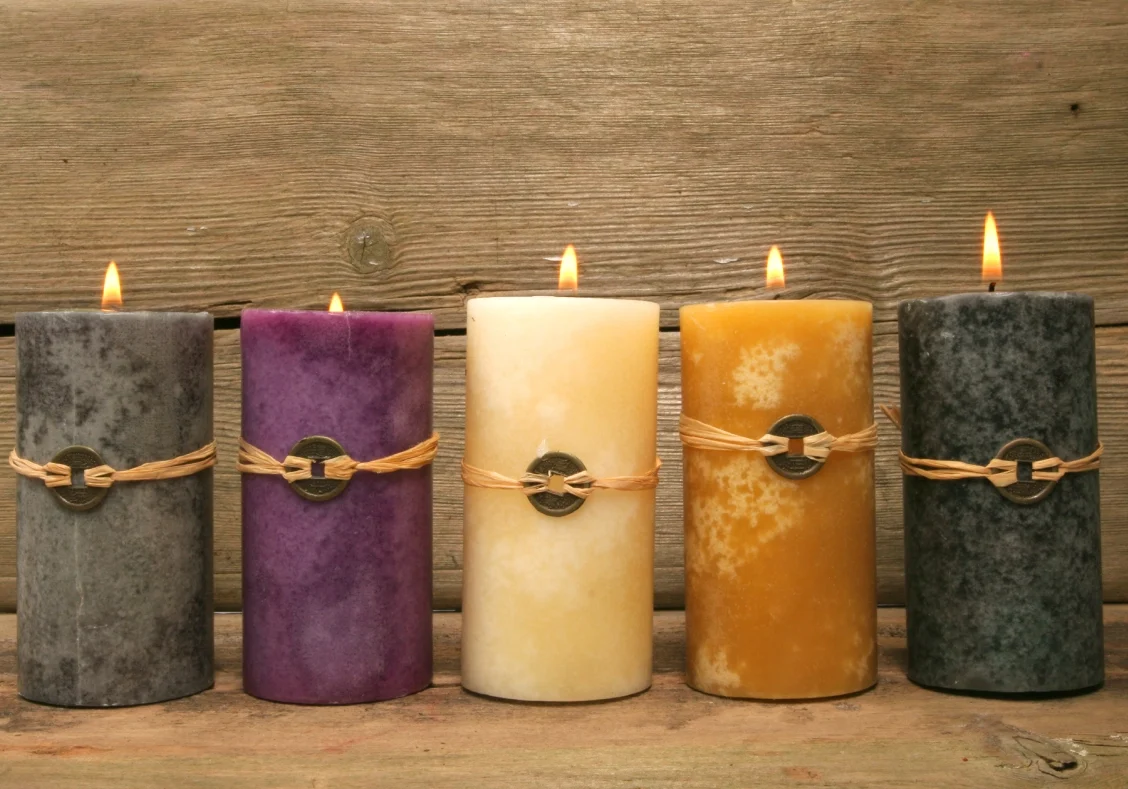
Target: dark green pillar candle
{"points": [[1002, 597], [115, 603]]}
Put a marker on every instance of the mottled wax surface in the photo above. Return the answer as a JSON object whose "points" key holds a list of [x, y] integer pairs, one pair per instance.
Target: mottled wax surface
{"points": [[115, 604], [780, 592], [1002, 597], [337, 594], [559, 609]]}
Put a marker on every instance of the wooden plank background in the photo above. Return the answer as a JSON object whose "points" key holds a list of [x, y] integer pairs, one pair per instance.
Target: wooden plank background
{"points": [[412, 154]]}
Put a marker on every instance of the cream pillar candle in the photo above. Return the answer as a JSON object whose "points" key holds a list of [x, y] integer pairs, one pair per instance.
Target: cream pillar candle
{"points": [[559, 608]]}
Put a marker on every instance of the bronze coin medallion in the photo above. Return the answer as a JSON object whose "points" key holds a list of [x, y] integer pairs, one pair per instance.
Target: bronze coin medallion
{"points": [[796, 426], [1028, 491], [83, 497], [317, 488], [556, 464]]}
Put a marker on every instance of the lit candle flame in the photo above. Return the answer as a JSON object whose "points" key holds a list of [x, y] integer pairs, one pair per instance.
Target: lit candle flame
{"points": [[992, 257], [335, 304], [775, 268], [569, 270], [111, 289]]}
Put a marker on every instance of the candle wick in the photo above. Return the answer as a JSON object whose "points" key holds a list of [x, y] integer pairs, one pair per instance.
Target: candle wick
{"points": [[991, 287]]}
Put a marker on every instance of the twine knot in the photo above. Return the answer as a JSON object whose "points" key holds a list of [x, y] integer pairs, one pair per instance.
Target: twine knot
{"points": [[580, 484], [817, 447], [1000, 472], [253, 460], [59, 475]]}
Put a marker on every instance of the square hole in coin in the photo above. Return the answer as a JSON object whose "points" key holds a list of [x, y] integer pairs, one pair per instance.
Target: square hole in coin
{"points": [[1025, 470]]}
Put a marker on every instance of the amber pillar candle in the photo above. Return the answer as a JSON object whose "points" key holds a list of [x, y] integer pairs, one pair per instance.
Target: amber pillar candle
{"points": [[780, 572]]}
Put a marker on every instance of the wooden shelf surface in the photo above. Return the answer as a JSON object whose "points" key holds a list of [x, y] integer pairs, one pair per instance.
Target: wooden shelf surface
{"points": [[896, 735]]}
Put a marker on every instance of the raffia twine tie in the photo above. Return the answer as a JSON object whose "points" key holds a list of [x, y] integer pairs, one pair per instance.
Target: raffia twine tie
{"points": [[253, 460], [57, 475], [581, 484], [700, 435], [1000, 473]]}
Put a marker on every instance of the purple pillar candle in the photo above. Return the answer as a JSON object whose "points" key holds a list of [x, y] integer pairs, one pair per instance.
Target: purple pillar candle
{"points": [[337, 593]]}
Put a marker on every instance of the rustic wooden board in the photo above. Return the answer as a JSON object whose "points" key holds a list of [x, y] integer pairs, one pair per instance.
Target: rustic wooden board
{"points": [[897, 735], [413, 153], [449, 416]]}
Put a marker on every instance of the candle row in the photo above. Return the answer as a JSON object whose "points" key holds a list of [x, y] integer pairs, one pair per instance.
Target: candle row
{"points": [[115, 505]]}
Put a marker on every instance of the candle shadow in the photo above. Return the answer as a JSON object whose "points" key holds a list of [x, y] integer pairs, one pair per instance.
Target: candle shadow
{"points": [[80, 706], [788, 701], [1046, 695], [525, 703]]}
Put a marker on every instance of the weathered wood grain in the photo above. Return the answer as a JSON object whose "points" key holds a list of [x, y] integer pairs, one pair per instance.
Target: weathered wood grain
{"points": [[411, 153], [1112, 348], [897, 735]]}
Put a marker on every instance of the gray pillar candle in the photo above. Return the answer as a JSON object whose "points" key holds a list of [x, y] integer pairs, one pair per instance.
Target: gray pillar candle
{"points": [[1001, 596], [115, 603]]}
